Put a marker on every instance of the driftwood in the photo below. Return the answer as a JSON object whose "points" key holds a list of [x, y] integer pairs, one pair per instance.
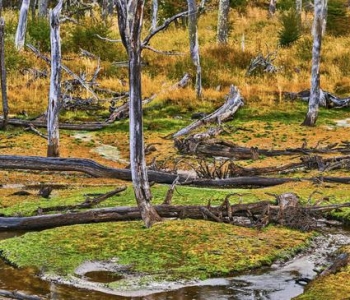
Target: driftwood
{"points": [[286, 211], [262, 64], [213, 147], [229, 168], [327, 99], [227, 110], [68, 126]]}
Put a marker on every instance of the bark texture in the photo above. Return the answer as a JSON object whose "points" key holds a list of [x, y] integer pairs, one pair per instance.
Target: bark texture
{"points": [[22, 25], [130, 16], [42, 6], [223, 21], [55, 80], [194, 44], [5, 107], [320, 8]]}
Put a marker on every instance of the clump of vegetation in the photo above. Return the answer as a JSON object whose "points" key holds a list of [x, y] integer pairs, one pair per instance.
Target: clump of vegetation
{"points": [[338, 19], [291, 27], [39, 34]]}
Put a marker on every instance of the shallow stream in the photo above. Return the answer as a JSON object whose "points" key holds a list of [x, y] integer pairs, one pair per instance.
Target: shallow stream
{"points": [[277, 282]]}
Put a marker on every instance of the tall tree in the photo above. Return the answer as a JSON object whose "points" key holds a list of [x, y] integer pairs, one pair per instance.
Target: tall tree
{"points": [[130, 15], [319, 26], [22, 25], [5, 107], [194, 45], [223, 21], [55, 81]]}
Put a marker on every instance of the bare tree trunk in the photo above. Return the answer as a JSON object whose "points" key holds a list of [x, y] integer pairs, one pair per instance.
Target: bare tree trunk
{"points": [[194, 45], [318, 28], [272, 7], [55, 80], [5, 107], [154, 14], [22, 25], [223, 21], [43, 5], [130, 14]]}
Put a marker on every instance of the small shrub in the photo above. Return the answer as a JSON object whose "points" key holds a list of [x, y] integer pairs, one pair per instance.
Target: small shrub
{"points": [[39, 34], [291, 28], [85, 36], [14, 60], [338, 21], [286, 5]]}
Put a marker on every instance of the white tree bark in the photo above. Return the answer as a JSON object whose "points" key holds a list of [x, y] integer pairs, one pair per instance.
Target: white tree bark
{"points": [[194, 45], [22, 25], [223, 21], [320, 12], [55, 80], [272, 7], [130, 15], [154, 14], [5, 107]]}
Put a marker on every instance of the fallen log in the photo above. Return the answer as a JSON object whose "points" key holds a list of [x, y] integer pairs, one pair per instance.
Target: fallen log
{"points": [[92, 168], [259, 213], [214, 147], [327, 99], [68, 126], [87, 166], [227, 110]]}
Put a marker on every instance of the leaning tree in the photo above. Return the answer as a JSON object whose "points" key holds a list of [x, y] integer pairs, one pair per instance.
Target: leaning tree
{"points": [[130, 15]]}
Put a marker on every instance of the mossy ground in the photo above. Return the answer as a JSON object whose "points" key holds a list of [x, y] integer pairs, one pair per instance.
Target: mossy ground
{"points": [[268, 120], [180, 249]]}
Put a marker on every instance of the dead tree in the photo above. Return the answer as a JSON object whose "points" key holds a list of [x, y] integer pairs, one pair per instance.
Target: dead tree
{"points": [[130, 15], [223, 21], [5, 107], [272, 7], [55, 80], [320, 11], [228, 109], [194, 44], [154, 14], [22, 25]]}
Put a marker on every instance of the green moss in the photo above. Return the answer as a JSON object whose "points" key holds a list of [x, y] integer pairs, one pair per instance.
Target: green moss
{"points": [[183, 249]]}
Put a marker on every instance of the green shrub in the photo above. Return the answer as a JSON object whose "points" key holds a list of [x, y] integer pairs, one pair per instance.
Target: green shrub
{"points": [[14, 60], [338, 21], [39, 34], [85, 36], [291, 28], [286, 5]]}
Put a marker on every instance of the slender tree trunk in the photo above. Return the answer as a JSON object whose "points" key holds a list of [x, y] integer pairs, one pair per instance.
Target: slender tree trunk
{"points": [[194, 45], [223, 21], [5, 107], [320, 11], [154, 14], [55, 80], [22, 25], [43, 5], [272, 7], [130, 14]]}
